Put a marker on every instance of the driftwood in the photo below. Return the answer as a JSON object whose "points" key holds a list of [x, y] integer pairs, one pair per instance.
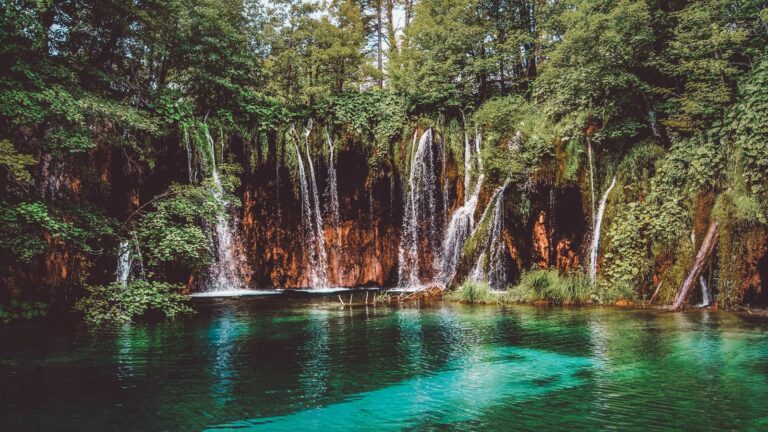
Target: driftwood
{"points": [[655, 293], [699, 265], [350, 303], [431, 291]]}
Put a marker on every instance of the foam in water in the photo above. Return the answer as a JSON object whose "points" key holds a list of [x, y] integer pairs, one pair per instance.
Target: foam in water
{"points": [[225, 273], [487, 378], [420, 216], [236, 293], [595, 246]]}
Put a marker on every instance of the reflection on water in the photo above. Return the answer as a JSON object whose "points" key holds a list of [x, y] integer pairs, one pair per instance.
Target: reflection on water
{"points": [[265, 363]]}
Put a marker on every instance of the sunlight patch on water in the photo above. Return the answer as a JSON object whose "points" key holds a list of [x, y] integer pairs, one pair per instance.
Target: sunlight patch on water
{"points": [[482, 380]]}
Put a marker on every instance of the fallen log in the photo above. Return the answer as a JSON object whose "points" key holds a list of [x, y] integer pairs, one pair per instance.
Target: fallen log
{"points": [[655, 293], [699, 265]]}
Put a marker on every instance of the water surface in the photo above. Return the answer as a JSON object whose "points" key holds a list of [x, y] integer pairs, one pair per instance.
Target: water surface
{"points": [[302, 363]]}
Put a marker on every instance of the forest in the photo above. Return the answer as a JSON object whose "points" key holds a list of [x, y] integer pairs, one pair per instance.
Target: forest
{"points": [[563, 151]]}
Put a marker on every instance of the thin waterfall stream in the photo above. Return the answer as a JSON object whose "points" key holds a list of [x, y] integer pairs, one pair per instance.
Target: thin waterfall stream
{"points": [[311, 218], [225, 273], [124, 263], [595, 246]]}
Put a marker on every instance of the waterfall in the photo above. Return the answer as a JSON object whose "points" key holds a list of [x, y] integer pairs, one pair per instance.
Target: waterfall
{"points": [[322, 257], [226, 270], [654, 124], [333, 193], [591, 177], [124, 263], [457, 233], [333, 203], [311, 218], [478, 271], [497, 271], [190, 156], [463, 219], [704, 292], [596, 233], [467, 164], [420, 207]]}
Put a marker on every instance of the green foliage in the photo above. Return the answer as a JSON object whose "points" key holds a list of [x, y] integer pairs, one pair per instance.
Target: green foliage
{"points": [[749, 124], [593, 73], [16, 163], [709, 41], [24, 227], [20, 309], [516, 138], [172, 232], [117, 303], [550, 286], [375, 117], [472, 292]]}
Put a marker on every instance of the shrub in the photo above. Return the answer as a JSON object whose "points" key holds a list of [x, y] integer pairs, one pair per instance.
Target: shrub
{"points": [[119, 303], [473, 292], [19, 309], [549, 285]]}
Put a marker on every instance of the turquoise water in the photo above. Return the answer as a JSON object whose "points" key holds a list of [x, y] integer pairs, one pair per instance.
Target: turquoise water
{"points": [[305, 364]]}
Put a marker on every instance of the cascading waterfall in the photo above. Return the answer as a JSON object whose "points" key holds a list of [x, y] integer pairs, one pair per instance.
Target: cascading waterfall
{"points": [[595, 246], [124, 263], [311, 218], [704, 292], [333, 201], [226, 271], [591, 177], [497, 266], [190, 155], [479, 273], [463, 219], [420, 208], [333, 193], [322, 256]]}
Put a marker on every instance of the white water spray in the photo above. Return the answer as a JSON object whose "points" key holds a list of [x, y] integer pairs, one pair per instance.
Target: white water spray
{"points": [[595, 246], [124, 263], [462, 221], [311, 218], [497, 266], [226, 270], [420, 207]]}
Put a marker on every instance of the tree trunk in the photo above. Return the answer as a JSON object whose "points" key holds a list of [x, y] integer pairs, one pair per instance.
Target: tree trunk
{"points": [[699, 265], [408, 13], [391, 31], [379, 37]]}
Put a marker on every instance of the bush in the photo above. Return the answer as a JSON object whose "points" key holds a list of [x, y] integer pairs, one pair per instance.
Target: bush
{"points": [[548, 285], [119, 303], [19, 309], [473, 292]]}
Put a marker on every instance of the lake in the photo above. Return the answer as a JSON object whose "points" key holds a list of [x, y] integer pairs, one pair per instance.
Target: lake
{"points": [[300, 362]]}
